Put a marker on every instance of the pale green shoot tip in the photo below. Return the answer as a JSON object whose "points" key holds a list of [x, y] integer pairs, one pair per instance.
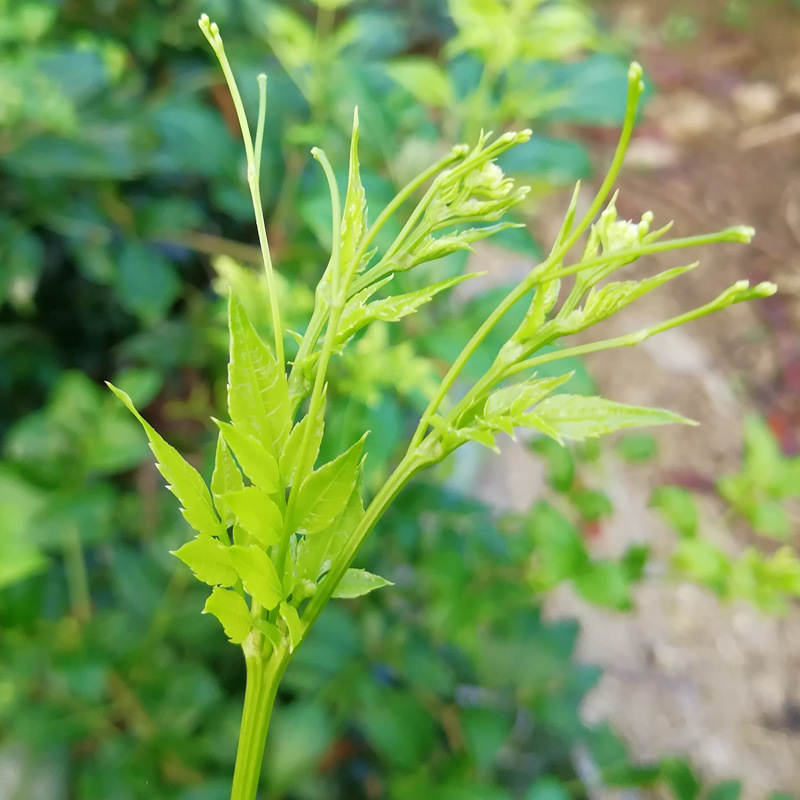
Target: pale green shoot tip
{"points": [[210, 30], [635, 73], [739, 233]]}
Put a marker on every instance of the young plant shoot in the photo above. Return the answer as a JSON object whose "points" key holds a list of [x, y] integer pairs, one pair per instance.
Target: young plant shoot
{"points": [[276, 533]]}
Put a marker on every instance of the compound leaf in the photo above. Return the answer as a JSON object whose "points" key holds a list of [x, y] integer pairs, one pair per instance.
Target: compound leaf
{"points": [[183, 480], [208, 559], [512, 401], [607, 300], [231, 610], [258, 574]]}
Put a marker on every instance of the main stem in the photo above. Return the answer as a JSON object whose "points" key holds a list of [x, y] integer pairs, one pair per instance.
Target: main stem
{"points": [[264, 674]]}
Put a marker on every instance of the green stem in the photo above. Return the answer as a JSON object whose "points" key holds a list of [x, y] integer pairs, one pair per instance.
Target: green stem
{"points": [[211, 32], [456, 154], [635, 89], [737, 234], [626, 340], [405, 470], [264, 674], [503, 307]]}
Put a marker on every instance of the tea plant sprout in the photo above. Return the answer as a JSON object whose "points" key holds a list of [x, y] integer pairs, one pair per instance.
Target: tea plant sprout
{"points": [[276, 534]]}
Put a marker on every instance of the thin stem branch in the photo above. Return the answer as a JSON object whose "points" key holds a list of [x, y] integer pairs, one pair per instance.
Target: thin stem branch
{"points": [[211, 32], [452, 374], [405, 470]]}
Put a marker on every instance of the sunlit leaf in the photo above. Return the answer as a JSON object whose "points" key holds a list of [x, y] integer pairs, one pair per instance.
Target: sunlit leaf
{"points": [[291, 452], [354, 216], [258, 574], [607, 300], [258, 392], [209, 560], [183, 480], [358, 582], [226, 478], [231, 610], [325, 492], [575, 417], [257, 513], [270, 631], [257, 462], [390, 309], [512, 401], [314, 553]]}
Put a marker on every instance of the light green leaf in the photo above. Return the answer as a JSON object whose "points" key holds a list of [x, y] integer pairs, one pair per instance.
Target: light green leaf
{"points": [[258, 392], [354, 217], [257, 513], [314, 553], [576, 417], [424, 79], [512, 401], [503, 412], [225, 478], [607, 300], [270, 631], [358, 582], [325, 492], [543, 302], [678, 507], [258, 464], [390, 309], [702, 562], [258, 574], [183, 480], [231, 610], [294, 625], [293, 444], [209, 561], [432, 247]]}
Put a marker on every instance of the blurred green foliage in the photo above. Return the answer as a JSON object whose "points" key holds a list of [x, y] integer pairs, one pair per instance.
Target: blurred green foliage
{"points": [[764, 493], [120, 175]]}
